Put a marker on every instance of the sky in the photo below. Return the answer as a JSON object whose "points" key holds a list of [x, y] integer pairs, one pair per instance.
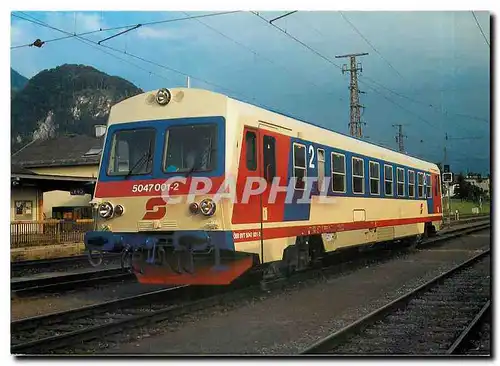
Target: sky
{"points": [[429, 71]]}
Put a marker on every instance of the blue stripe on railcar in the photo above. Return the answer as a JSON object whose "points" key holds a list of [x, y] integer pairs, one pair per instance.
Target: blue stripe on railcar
{"points": [[161, 127], [298, 210]]}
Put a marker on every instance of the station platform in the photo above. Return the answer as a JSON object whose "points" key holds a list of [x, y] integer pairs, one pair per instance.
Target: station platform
{"points": [[46, 252]]}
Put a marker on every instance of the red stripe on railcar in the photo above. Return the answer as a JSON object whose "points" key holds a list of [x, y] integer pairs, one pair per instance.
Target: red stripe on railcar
{"points": [[289, 231], [151, 187]]}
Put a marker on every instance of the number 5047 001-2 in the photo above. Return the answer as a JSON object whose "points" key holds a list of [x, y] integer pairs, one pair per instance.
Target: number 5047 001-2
{"points": [[151, 187]]}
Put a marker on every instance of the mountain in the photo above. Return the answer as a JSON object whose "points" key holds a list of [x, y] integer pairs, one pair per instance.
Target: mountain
{"points": [[17, 81], [69, 99]]}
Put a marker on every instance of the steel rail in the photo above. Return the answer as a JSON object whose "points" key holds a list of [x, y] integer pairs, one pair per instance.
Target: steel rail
{"points": [[326, 344]]}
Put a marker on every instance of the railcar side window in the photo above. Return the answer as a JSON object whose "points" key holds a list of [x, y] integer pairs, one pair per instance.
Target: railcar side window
{"points": [[358, 176], [251, 150], [269, 145], [132, 151], [321, 168], [429, 185], [420, 185], [338, 172], [299, 165], [374, 178], [388, 180], [411, 183], [401, 182]]}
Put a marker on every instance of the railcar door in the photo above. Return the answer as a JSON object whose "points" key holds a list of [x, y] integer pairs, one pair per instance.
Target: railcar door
{"points": [[273, 160], [264, 156], [436, 194]]}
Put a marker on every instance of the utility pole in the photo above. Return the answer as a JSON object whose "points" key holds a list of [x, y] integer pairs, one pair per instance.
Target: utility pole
{"points": [[355, 117], [400, 138]]}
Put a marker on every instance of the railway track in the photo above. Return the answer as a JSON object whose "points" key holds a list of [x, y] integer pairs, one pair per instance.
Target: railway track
{"points": [[69, 282], [48, 333], [86, 279], [39, 265], [436, 318]]}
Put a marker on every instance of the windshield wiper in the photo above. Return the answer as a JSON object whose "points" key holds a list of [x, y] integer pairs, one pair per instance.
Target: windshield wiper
{"points": [[200, 161], [146, 157]]}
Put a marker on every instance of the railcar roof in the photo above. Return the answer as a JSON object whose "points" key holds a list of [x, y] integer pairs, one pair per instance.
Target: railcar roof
{"points": [[377, 148]]}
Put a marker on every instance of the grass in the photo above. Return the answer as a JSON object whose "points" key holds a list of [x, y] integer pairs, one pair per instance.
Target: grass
{"points": [[465, 207]]}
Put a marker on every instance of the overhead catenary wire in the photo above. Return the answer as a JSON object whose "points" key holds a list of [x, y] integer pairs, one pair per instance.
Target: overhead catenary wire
{"points": [[36, 21], [481, 29], [333, 63], [41, 23], [255, 53], [370, 44], [363, 79], [100, 30], [90, 44]]}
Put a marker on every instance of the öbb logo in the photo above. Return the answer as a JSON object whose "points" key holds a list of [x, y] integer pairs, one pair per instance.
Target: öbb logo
{"points": [[155, 209]]}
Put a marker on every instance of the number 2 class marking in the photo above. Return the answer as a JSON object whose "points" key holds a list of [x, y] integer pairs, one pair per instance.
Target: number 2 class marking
{"points": [[311, 153]]}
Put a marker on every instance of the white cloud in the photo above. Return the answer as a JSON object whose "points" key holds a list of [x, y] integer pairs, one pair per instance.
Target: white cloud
{"points": [[17, 35], [76, 21], [156, 33]]}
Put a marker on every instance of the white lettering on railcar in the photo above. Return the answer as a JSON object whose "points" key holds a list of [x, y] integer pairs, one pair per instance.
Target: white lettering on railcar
{"points": [[246, 235], [151, 187]]}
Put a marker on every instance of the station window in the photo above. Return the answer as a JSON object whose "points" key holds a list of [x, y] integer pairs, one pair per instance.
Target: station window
{"points": [[429, 185], [420, 177], [358, 176], [251, 150], [374, 178], [411, 183], [338, 172], [321, 168], [299, 165], [401, 182], [389, 184]]}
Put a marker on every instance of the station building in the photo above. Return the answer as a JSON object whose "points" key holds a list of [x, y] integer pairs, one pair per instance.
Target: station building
{"points": [[55, 178]]}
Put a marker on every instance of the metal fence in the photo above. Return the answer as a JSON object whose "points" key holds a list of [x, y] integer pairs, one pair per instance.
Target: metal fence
{"points": [[49, 232]]}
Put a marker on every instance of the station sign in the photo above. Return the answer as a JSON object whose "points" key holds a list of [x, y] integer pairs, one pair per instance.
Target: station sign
{"points": [[77, 192]]}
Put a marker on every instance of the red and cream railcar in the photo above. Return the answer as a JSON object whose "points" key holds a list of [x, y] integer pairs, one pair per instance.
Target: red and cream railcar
{"points": [[197, 188]]}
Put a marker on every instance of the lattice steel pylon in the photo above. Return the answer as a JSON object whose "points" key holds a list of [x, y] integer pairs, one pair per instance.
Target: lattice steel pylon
{"points": [[355, 108]]}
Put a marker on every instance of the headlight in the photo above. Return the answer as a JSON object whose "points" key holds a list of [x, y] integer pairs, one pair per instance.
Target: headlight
{"points": [[163, 96], [207, 207], [105, 210], [119, 210], [193, 208]]}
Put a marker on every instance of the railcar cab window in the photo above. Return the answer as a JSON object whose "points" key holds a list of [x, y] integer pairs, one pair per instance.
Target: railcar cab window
{"points": [[401, 182], [190, 148], [338, 172], [132, 152], [358, 176], [388, 180], [411, 183], [251, 150], [420, 177], [374, 178], [299, 166]]}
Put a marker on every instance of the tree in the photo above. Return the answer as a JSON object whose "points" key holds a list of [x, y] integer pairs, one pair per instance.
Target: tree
{"points": [[462, 190]]}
